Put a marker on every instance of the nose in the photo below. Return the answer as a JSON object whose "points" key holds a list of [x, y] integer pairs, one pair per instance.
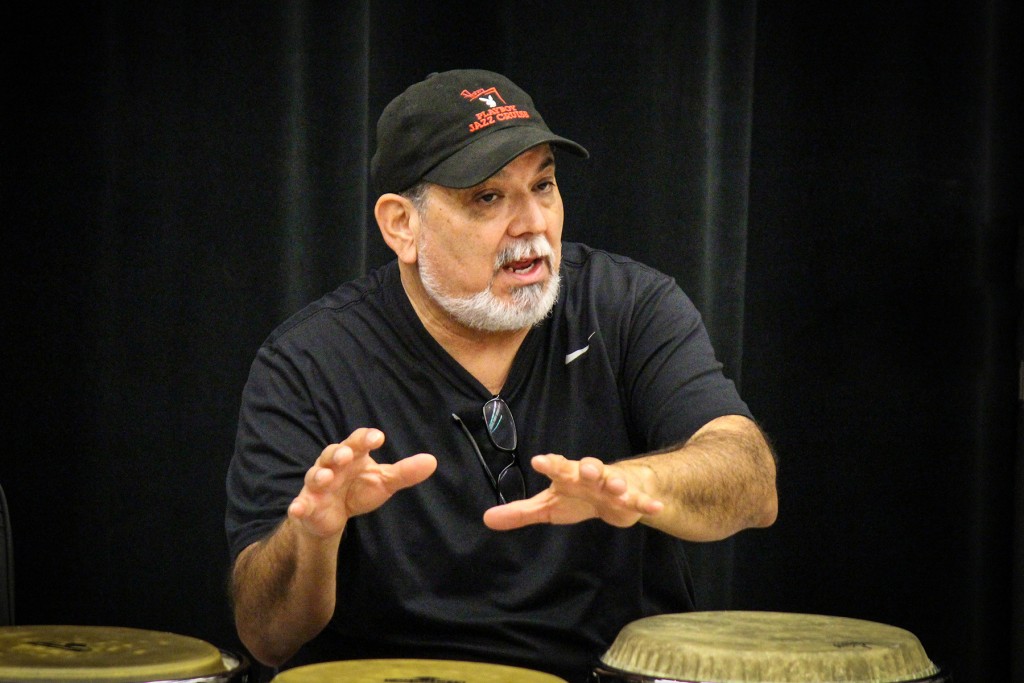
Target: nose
{"points": [[530, 218]]}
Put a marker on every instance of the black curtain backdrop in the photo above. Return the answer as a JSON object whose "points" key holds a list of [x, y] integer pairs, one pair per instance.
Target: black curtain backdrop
{"points": [[835, 185]]}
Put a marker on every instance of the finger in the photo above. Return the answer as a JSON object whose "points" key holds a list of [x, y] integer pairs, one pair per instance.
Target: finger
{"points": [[298, 508], [359, 443], [515, 515], [554, 466], [591, 469], [603, 486], [318, 478], [625, 495], [588, 472], [602, 477], [616, 486], [650, 506], [365, 439], [629, 500], [336, 455], [547, 507], [410, 471], [302, 507]]}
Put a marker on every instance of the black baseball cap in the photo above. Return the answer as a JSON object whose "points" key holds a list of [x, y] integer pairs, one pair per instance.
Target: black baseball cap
{"points": [[456, 129]]}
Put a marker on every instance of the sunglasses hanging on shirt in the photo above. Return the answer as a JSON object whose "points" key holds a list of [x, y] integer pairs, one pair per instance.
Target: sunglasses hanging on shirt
{"points": [[509, 483]]}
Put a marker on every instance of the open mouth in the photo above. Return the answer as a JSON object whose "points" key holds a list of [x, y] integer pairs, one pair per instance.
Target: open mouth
{"points": [[523, 266]]}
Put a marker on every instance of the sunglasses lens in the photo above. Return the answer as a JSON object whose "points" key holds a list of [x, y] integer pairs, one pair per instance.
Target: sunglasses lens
{"points": [[511, 485], [500, 424]]}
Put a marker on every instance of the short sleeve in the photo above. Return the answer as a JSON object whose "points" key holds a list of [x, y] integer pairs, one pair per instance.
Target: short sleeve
{"points": [[673, 381], [277, 441]]}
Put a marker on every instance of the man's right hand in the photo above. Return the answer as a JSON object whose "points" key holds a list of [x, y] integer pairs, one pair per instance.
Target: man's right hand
{"points": [[284, 586], [345, 482]]}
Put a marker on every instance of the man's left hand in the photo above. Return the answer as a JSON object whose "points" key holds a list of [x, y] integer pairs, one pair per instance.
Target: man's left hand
{"points": [[580, 490]]}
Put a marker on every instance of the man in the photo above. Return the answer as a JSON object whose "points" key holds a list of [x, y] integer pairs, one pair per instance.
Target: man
{"points": [[382, 497]]}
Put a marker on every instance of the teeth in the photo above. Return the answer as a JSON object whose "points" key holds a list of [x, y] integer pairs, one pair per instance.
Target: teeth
{"points": [[521, 269]]}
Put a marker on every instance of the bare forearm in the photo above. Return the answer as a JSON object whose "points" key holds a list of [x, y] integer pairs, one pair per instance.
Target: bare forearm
{"points": [[284, 587], [720, 482], [284, 591]]}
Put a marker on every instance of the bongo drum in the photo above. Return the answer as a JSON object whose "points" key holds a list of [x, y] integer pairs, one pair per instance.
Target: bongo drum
{"points": [[411, 670], [90, 654], [764, 647]]}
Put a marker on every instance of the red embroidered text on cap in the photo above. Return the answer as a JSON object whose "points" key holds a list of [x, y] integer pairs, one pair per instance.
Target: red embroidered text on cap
{"points": [[494, 111]]}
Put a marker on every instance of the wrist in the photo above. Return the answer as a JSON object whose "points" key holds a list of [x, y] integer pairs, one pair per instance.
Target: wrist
{"points": [[307, 540]]}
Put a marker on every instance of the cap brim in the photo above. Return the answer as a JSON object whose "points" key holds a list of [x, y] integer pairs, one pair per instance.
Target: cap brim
{"points": [[485, 156]]}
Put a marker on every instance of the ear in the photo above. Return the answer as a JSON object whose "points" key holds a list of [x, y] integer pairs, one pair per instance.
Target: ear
{"points": [[399, 225]]}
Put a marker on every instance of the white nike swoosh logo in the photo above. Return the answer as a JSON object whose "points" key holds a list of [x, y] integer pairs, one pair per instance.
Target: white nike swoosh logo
{"points": [[570, 357]]}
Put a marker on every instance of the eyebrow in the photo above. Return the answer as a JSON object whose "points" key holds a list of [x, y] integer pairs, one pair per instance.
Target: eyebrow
{"points": [[548, 161]]}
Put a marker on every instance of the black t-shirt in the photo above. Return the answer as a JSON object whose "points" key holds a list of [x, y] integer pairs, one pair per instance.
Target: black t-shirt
{"points": [[622, 366]]}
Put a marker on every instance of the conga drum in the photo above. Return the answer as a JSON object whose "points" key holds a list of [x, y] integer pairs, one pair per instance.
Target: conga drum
{"points": [[91, 654], [410, 670], [764, 647]]}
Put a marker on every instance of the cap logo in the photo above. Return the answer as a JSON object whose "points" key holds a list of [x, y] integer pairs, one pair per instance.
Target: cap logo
{"points": [[494, 113]]}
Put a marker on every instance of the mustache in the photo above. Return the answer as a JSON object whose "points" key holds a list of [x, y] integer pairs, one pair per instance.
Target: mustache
{"points": [[533, 247]]}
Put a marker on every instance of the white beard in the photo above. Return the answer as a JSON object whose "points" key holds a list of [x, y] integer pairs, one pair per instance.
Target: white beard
{"points": [[528, 305]]}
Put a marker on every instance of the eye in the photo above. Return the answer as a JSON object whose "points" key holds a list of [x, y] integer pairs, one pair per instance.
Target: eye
{"points": [[488, 197], [546, 185]]}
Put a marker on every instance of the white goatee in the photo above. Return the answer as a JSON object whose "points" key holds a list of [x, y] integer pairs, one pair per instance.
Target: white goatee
{"points": [[527, 306]]}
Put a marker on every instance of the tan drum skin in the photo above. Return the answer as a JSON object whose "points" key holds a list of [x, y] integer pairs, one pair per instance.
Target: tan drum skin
{"points": [[427, 670], [94, 654], [764, 647]]}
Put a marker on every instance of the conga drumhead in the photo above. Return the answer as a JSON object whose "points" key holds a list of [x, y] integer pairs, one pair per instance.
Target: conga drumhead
{"points": [[80, 654], [381, 670], [767, 647]]}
